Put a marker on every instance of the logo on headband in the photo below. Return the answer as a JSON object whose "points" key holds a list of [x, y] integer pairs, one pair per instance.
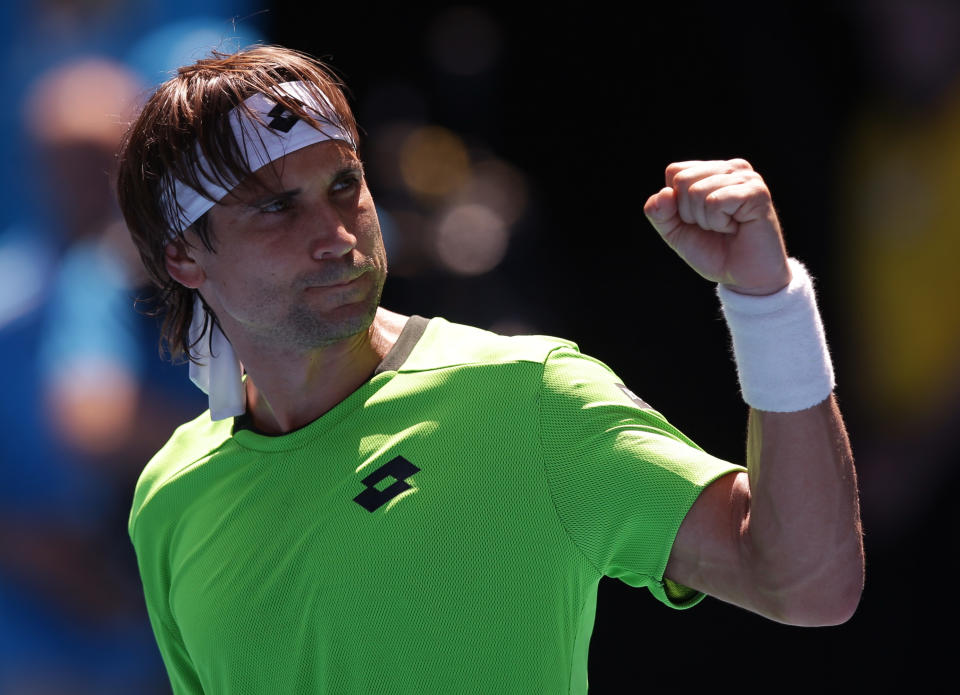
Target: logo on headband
{"points": [[283, 118]]}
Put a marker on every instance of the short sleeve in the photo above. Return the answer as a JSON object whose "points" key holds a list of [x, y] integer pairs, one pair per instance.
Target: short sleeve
{"points": [[151, 547], [622, 478]]}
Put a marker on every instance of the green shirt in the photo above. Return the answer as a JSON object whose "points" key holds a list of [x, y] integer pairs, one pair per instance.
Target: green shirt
{"points": [[442, 529]]}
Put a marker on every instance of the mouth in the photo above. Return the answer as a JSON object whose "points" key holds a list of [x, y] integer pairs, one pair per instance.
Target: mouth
{"points": [[344, 288], [334, 282]]}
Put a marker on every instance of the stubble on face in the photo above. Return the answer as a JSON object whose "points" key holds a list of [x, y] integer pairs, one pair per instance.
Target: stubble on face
{"points": [[306, 327]]}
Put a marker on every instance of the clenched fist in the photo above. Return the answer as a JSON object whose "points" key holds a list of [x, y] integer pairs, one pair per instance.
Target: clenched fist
{"points": [[719, 217]]}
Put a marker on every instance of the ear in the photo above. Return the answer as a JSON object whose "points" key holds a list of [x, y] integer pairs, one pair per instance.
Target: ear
{"points": [[182, 266]]}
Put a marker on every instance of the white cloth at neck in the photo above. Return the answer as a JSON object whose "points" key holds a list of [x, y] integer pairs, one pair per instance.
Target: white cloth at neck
{"points": [[217, 372]]}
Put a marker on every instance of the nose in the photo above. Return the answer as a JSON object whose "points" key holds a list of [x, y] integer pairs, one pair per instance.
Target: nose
{"points": [[330, 235]]}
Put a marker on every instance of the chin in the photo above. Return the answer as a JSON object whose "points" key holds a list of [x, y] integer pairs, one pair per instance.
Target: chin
{"points": [[311, 326], [310, 330]]}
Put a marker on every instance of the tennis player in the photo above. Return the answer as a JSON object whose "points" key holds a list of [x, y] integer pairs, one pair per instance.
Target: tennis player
{"points": [[377, 503]]}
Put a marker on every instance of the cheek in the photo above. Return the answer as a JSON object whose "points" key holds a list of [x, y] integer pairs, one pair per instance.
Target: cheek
{"points": [[369, 234], [241, 281]]}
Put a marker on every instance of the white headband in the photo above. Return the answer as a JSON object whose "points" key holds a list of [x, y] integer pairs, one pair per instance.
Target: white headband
{"points": [[280, 133], [219, 373]]}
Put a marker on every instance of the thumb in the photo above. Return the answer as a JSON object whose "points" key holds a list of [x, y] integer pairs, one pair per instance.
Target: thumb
{"points": [[661, 210]]}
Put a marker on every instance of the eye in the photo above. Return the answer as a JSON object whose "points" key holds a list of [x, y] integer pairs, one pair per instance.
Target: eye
{"points": [[277, 205], [347, 183]]}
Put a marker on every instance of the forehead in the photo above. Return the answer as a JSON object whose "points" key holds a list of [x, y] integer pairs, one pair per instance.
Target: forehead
{"points": [[316, 161]]}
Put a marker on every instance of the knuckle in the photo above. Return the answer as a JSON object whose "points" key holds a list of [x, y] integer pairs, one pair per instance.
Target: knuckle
{"points": [[701, 190], [760, 189], [713, 197], [738, 163], [683, 178], [754, 181]]}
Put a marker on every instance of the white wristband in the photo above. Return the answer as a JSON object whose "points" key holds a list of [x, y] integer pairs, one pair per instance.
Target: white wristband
{"points": [[779, 345]]}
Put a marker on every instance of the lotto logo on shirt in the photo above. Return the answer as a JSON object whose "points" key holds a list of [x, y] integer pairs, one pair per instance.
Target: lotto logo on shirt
{"points": [[375, 496]]}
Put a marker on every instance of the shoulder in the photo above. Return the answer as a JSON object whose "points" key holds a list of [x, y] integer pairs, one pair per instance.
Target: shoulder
{"points": [[554, 366], [447, 344], [190, 444]]}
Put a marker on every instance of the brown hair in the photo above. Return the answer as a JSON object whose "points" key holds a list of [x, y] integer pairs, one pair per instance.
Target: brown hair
{"points": [[187, 115]]}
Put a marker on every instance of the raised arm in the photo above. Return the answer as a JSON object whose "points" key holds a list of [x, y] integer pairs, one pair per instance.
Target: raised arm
{"points": [[784, 539]]}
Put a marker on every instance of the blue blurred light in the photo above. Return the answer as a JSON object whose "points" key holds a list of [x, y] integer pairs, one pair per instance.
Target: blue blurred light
{"points": [[157, 56]]}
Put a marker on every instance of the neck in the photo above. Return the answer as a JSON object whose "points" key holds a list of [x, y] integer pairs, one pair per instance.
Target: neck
{"points": [[289, 389]]}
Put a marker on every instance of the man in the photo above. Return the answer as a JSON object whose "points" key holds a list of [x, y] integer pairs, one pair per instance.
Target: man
{"points": [[389, 504]]}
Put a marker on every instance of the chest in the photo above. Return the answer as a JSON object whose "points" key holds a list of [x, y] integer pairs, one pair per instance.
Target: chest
{"points": [[353, 546]]}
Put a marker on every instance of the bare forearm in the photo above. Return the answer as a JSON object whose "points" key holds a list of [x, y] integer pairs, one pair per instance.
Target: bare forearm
{"points": [[784, 539], [803, 536]]}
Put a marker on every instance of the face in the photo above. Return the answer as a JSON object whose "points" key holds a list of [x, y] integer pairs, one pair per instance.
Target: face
{"points": [[299, 258]]}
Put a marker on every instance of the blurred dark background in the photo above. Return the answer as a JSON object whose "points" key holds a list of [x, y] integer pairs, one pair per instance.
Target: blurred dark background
{"points": [[510, 148]]}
